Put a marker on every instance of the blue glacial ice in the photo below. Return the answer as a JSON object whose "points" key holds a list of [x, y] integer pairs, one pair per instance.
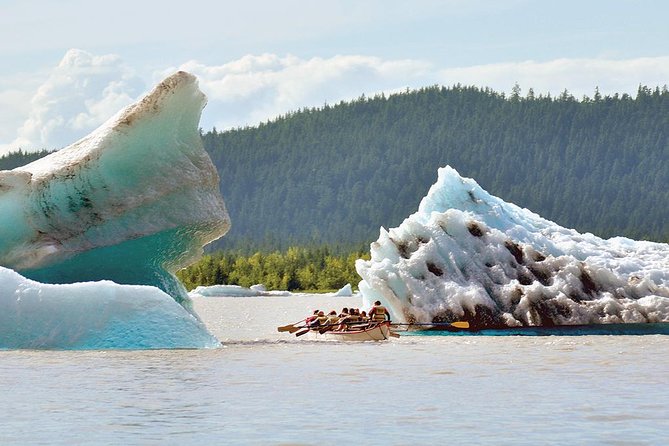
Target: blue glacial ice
{"points": [[467, 255], [132, 203], [93, 315]]}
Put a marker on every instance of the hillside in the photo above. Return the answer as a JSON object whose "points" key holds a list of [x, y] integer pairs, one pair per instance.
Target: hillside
{"points": [[334, 175]]}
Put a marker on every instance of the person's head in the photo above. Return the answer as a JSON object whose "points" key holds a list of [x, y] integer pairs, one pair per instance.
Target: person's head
{"points": [[344, 310], [363, 313], [378, 302], [333, 313], [320, 313]]}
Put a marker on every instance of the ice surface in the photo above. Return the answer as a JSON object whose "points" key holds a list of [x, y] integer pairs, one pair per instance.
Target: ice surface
{"points": [[132, 202], [94, 315], [467, 255], [236, 291], [346, 291], [225, 290]]}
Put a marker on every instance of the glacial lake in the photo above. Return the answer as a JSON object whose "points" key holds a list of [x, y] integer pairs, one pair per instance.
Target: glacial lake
{"points": [[264, 387]]}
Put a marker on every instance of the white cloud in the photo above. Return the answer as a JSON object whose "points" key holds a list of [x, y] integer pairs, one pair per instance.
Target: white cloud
{"points": [[256, 88], [14, 107], [84, 90], [79, 94], [579, 76]]}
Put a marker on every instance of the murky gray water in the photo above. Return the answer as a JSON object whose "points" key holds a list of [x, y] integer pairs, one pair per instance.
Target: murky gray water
{"points": [[265, 387]]}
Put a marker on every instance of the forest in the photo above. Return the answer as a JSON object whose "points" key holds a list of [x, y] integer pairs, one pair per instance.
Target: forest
{"points": [[329, 177], [296, 269], [20, 158], [335, 174]]}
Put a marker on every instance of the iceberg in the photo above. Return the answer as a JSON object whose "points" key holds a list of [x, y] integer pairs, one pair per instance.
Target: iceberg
{"points": [[93, 315], [345, 291], [236, 291], [91, 235], [467, 255], [225, 290], [132, 202]]}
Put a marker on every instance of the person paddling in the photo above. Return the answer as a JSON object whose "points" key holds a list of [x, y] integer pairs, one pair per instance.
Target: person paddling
{"points": [[311, 318], [331, 322], [320, 319], [379, 313]]}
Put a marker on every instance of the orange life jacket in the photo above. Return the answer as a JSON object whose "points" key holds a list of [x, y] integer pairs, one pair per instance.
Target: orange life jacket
{"points": [[379, 313]]}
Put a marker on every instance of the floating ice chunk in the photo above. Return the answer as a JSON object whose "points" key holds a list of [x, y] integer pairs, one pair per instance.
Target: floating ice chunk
{"points": [[225, 290], [97, 315], [467, 255], [132, 202], [236, 291], [346, 291]]}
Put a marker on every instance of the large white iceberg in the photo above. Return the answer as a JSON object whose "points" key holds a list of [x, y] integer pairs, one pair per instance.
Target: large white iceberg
{"points": [[467, 255], [132, 202], [93, 315]]}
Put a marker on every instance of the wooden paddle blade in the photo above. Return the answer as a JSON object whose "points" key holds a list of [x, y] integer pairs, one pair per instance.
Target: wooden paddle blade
{"points": [[393, 334], [292, 327], [460, 324], [303, 331]]}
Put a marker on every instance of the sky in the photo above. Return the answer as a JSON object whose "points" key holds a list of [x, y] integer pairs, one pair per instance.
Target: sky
{"points": [[68, 66]]}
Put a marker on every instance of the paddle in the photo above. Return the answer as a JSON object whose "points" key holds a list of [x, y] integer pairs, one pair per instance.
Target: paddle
{"points": [[460, 324], [457, 324], [290, 327], [303, 331]]}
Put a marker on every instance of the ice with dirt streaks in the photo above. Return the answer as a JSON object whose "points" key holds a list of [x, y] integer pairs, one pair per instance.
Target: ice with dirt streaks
{"points": [[131, 203], [467, 255]]}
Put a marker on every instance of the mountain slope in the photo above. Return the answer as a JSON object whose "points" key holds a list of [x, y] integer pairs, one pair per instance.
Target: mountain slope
{"points": [[335, 174]]}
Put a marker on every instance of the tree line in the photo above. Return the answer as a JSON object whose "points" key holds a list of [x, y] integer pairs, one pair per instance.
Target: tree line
{"points": [[296, 269], [19, 158], [335, 174]]}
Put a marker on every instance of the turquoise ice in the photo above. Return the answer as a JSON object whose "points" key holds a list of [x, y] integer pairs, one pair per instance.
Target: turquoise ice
{"points": [[93, 315], [131, 203]]}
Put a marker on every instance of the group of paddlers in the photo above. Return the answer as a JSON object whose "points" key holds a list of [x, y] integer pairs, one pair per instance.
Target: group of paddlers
{"points": [[347, 319]]}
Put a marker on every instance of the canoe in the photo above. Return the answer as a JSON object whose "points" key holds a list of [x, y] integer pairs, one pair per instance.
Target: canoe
{"points": [[376, 332]]}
